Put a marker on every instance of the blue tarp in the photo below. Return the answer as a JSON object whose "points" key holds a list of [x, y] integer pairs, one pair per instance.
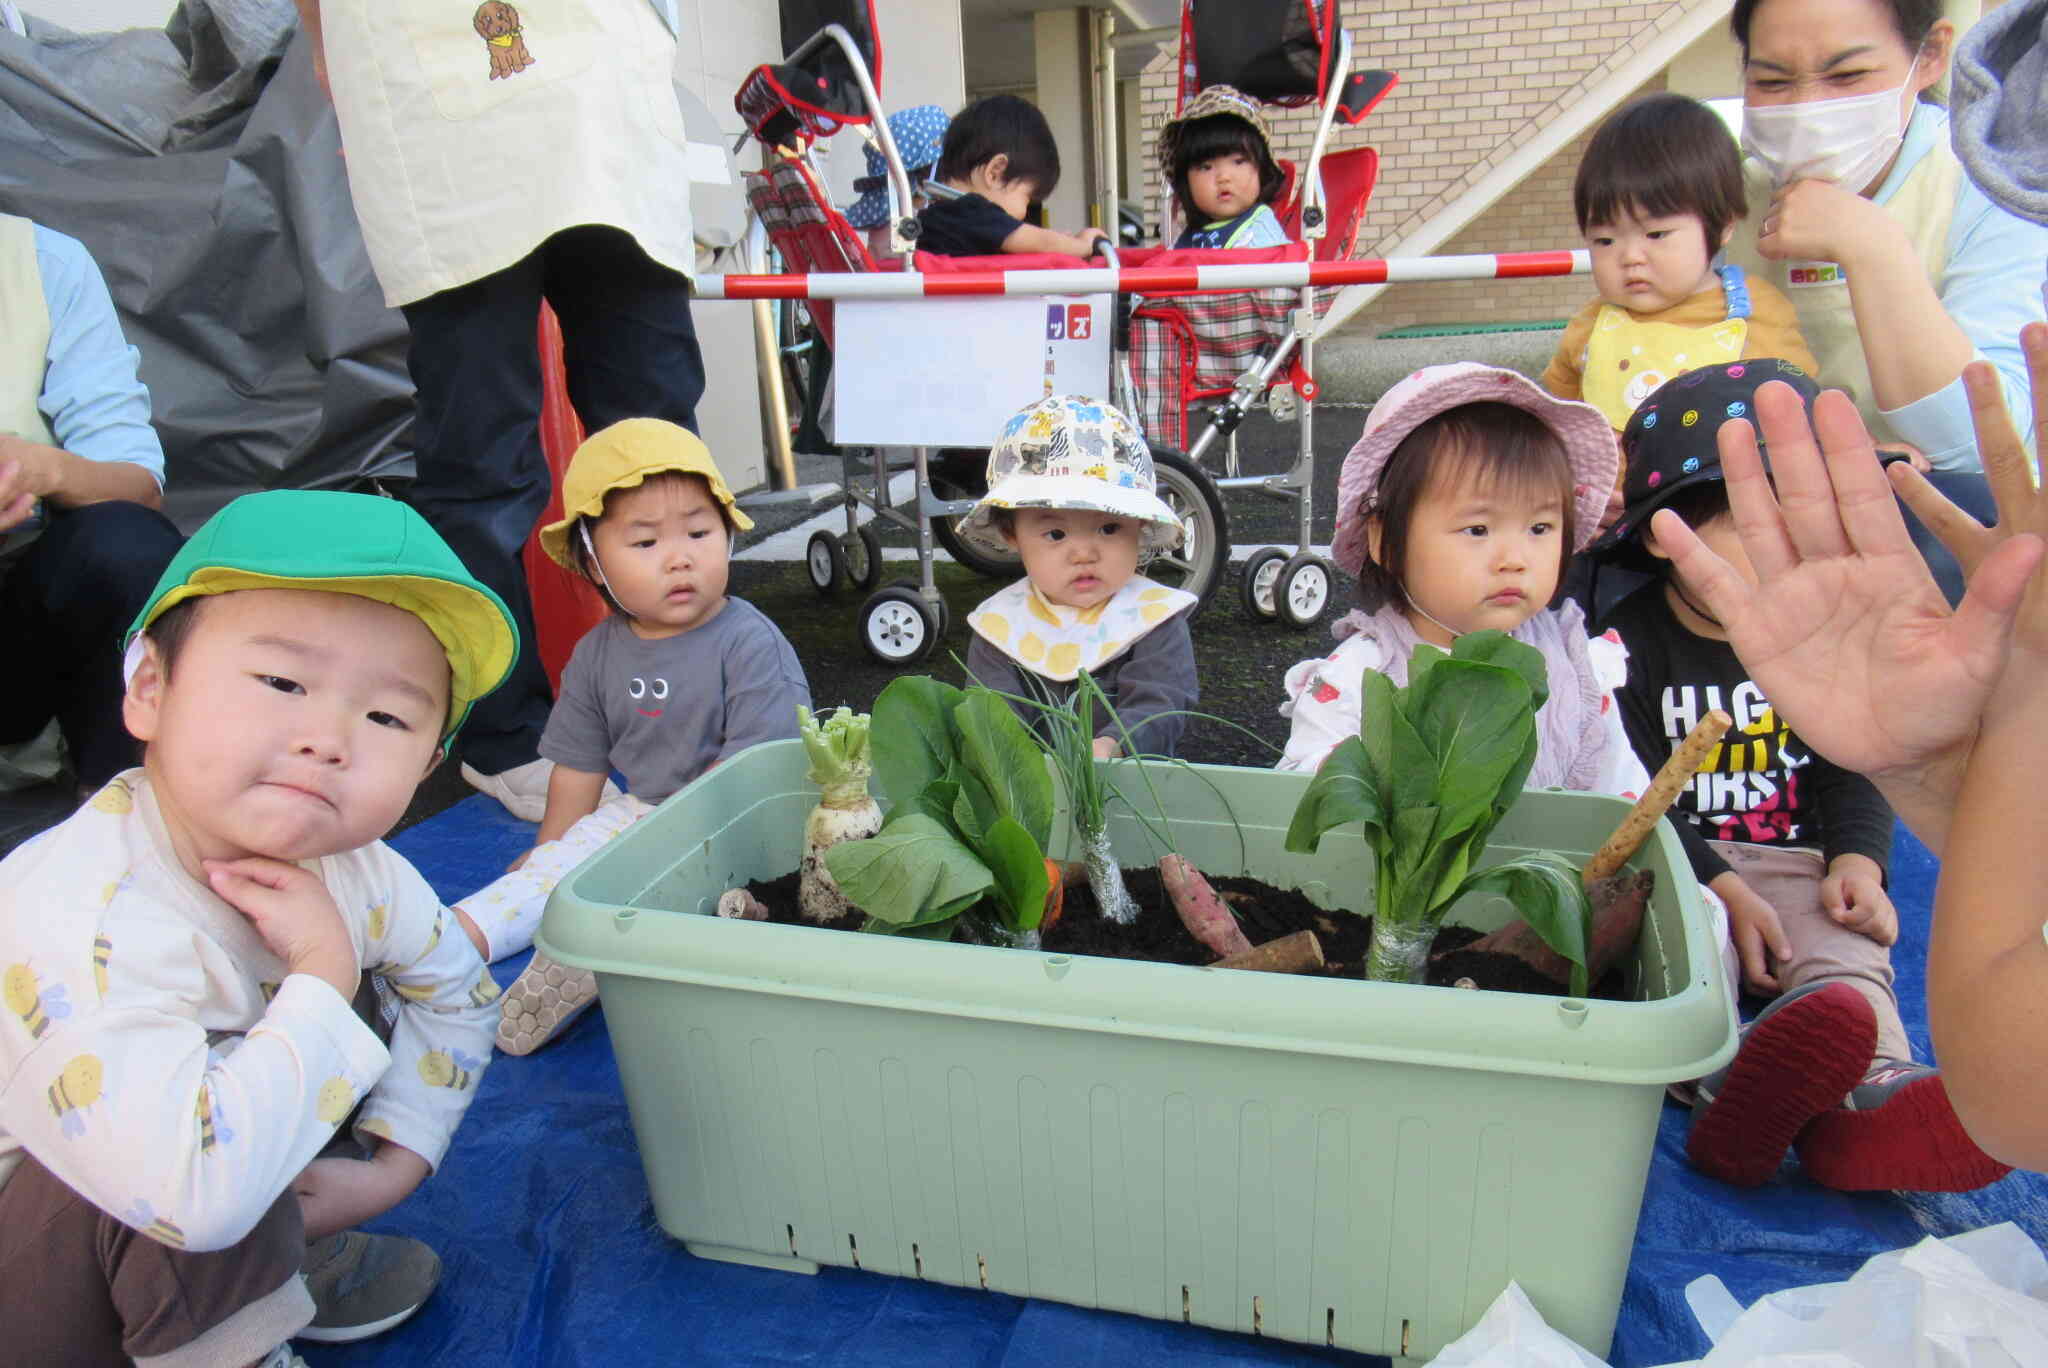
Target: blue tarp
{"points": [[553, 1255]]}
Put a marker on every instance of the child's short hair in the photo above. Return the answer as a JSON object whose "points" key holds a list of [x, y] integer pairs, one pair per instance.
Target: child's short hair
{"points": [[1491, 442], [1217, 136], [1002, 125], [1657, 155]]}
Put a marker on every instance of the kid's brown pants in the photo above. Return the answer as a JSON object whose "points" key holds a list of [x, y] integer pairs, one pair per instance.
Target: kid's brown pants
{"points": [[78, 1287]]}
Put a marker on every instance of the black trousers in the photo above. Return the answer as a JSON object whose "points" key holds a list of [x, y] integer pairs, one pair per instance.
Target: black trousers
{"points": [[67, 602], [630, 350]]}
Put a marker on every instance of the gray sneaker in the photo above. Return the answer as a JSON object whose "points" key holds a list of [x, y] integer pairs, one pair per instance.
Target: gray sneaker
{"points": [[362, 1285]]}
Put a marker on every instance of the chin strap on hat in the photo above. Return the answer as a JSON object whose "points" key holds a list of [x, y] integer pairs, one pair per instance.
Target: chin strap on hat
{"points": [[590, 549]]}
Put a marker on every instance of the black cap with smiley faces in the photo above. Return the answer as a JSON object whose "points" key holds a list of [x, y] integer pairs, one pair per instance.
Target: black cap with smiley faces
{"points": [[1670, 441]]}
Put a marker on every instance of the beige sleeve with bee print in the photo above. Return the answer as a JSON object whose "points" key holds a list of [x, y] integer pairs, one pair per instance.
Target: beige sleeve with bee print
{"points": [[447, 1000]]}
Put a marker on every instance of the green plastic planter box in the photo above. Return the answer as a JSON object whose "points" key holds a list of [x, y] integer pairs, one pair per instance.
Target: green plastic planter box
{"points": [[1320, 1160]]}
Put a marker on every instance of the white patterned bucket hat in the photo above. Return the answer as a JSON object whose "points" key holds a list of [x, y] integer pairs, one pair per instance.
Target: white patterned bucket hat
{"points": [[1066, 451]]}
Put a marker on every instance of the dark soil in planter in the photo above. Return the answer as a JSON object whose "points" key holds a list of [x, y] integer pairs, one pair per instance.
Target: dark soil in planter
{"points": [[1265, 912]]}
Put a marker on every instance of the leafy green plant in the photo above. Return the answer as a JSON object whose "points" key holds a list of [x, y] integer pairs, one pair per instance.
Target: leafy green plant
{"points": [[1067, 733], [972, 815], [1435, 766]]}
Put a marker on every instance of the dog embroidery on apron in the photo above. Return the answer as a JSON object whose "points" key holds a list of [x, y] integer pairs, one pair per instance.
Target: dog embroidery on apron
{"points": [[497, 23]]}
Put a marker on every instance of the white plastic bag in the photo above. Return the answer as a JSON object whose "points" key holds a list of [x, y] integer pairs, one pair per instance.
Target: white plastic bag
{"points": [[1513, 1334], [1977, 1300]]}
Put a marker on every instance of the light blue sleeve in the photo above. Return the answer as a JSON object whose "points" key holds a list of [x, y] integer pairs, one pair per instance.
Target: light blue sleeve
{"points": [[1263, 230], [1991, 288], [93, 398]]}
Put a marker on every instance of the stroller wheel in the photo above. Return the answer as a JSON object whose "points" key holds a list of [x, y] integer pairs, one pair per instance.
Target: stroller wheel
{"points": [[1260, 572], [955, 478], [1196, 565], [862, 550], [897, 626], [824, 562], [1301, 591]]}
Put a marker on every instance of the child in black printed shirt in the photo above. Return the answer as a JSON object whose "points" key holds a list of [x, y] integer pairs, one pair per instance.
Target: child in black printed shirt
{"points": [[1795, 846]]}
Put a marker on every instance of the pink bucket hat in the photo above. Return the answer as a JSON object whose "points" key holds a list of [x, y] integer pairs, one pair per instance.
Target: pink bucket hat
{"points": [[1589, 445]]}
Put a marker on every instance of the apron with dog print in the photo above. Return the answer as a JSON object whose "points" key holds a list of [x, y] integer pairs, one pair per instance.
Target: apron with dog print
{"points": [[473, 132]]}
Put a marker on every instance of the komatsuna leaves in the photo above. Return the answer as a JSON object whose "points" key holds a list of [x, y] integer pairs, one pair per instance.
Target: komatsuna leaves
{"points": [[1474, 719], [1546, 890], [1018, 864], [1498, 648], [915, 871], [936, 801], [911, 735], [995, 745], [1344, 790]]}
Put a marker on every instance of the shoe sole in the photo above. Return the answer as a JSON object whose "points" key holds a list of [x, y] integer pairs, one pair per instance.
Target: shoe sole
{"points": [[1791, 1066], [538, 1006], [349, 1334], [1913, 1143]]}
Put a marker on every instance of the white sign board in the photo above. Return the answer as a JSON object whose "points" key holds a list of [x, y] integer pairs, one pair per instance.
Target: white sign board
{"points": [[949, 372]]}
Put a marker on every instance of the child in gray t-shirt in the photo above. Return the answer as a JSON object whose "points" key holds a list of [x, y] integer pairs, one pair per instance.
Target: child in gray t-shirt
{"points": [[681, 676]]}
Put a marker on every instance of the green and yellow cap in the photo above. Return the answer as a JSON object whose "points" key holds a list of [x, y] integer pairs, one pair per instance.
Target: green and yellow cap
{"points": [[360, 544]]}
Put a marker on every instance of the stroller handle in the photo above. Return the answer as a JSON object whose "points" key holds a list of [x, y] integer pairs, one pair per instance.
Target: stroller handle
{"points": [[1151, 280]]}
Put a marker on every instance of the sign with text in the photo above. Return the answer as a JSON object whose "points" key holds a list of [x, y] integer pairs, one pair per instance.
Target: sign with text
{"points": [[949, 372]]}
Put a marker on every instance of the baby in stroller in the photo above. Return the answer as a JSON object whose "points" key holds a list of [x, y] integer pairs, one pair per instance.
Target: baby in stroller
{"points": [[1218, 158]]}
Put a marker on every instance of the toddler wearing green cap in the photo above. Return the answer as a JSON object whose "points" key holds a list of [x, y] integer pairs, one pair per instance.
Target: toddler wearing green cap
{"points": [[183, 958]]}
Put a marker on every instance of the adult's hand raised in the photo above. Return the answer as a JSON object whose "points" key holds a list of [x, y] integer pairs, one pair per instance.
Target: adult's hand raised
{"points": [[1842, 626]]}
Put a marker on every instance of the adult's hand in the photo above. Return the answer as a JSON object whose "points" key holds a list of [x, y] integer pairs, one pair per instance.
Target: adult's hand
{"points": [[1842, 627], [1815, 220], [2022, 508], [28, 471]]}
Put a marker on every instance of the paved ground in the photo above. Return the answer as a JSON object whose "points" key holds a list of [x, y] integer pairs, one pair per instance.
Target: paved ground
{"points": [[1240, 658]]}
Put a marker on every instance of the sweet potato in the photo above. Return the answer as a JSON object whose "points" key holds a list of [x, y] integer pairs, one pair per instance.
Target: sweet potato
{"points": [[1298, 953], [1204, 914]]}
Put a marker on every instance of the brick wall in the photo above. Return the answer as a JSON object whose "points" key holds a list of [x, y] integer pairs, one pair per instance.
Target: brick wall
{"points": [[1477, 80]]}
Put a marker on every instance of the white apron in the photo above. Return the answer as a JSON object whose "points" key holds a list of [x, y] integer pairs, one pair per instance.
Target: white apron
{"points": [[25, 340], [1924, 204], [474, 132]]}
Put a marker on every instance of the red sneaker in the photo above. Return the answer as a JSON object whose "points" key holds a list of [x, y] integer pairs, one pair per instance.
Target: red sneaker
{"points": [[1896, 1132], [1797, 1059]]}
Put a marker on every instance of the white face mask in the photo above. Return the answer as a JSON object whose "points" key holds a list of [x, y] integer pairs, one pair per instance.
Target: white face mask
{"points": [[1847, 141]]}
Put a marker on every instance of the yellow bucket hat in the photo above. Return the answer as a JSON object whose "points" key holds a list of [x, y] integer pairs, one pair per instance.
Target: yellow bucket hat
{"points": [[620, 457]]}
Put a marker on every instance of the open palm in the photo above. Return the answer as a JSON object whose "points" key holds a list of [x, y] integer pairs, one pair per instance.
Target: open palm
{"points": [[1844, 629]]}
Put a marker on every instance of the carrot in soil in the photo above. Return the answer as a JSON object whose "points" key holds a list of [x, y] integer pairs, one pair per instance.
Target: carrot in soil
{"points": [[1055, 895], [1206, 916]]}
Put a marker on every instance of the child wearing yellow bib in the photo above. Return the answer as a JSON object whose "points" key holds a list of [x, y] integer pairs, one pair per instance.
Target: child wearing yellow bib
{"points": [[1072, 494], [1658, 194]]}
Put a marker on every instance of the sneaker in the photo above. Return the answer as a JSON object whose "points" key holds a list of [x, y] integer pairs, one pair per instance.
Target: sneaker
{"points": [[1896, 1132], [362, 1284], [541, 1002], [523, 789], [1796, 1060]]}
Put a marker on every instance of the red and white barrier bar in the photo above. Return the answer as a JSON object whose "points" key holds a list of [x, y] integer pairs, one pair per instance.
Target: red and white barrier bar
{"points": [[1151, 280]]}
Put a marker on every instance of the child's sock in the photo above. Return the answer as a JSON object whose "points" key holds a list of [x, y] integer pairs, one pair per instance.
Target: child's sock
{"points": [[1895, 1131], [1797, 1059]]}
